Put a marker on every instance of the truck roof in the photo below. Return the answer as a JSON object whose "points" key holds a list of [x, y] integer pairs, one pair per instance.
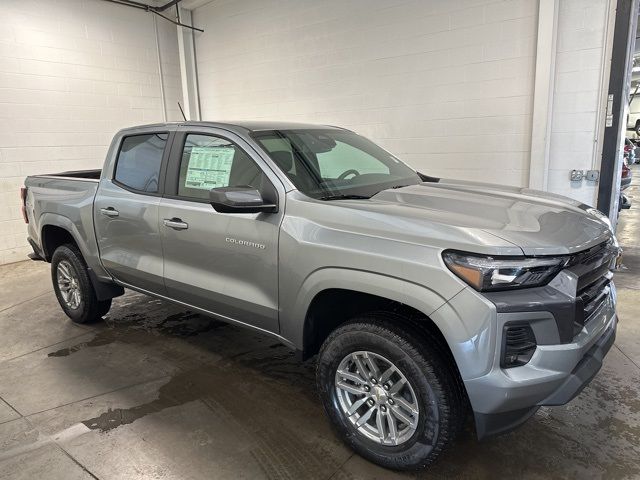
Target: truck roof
{"points": [[240, 126]]}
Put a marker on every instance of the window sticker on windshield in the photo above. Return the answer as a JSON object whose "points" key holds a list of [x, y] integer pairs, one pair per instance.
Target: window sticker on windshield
{"points": [[209, 167]]}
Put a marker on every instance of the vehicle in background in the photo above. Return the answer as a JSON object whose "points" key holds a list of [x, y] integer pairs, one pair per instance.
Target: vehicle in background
{"points": [[422, 298], [635, 149], [630, 151], [625, 181], [627, 174], [633, 118]]}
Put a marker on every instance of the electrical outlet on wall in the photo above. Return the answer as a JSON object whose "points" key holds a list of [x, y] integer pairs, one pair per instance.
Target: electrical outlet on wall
{"points": [[577, 175], [593, 175]]}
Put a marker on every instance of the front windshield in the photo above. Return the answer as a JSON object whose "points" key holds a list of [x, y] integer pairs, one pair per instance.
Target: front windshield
{"points": [[331, 163]]}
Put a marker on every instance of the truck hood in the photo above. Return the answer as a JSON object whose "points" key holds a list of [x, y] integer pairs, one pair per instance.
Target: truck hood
{"points": [[538, 222]]}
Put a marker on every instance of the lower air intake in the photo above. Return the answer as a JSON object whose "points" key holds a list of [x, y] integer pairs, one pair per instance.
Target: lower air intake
{"points": [[518, 345]]}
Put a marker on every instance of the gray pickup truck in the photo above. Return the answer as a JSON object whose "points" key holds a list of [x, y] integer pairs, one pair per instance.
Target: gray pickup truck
{"points": [[425, 300]]}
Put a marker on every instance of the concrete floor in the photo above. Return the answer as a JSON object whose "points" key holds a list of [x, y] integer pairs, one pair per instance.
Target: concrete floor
{"points": [[159, 392]]}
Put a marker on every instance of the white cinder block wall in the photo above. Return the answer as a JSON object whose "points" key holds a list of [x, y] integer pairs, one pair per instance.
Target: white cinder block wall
{"points": [[445, 85], [578, 100], [73, 72], [170, 61]]}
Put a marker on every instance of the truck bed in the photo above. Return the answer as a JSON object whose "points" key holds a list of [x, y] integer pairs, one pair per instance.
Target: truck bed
{"points": [[93, 174], [65, 201]]}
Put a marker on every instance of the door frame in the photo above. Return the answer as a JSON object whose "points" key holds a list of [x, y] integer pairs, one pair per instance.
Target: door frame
{"points": [[170, 187]]}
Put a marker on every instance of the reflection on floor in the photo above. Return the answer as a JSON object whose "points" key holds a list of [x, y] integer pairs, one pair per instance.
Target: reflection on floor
{"points": [[159, 392]]}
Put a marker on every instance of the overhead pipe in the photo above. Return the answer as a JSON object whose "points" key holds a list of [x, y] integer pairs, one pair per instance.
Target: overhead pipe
{"points": [[167, 5], [175, 22], [130, 3], [155, 10]]}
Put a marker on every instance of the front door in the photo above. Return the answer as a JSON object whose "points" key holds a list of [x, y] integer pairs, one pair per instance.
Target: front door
{"points": [[221, 262], [126, 212]]}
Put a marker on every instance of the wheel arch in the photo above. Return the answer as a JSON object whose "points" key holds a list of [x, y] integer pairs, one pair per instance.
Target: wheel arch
{"points": [[332, 307], [331, 296], [52, 237], [57, 230]]}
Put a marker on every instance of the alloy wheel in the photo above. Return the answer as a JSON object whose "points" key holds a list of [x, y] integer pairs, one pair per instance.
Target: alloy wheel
{"points": [[377, 398], [68, 284]]}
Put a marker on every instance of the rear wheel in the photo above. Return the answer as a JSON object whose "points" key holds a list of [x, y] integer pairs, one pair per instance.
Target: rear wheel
{"points": [[73, 287], [388, 392]]}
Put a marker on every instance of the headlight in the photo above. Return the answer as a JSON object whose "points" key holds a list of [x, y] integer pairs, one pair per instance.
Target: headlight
{"points": [[495, 273]]}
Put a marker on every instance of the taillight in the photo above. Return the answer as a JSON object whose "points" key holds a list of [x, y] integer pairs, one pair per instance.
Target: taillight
{"points": [[23, 196]]}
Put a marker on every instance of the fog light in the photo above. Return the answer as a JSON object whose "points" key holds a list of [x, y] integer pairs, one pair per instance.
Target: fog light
{"points": [[518, 345]]}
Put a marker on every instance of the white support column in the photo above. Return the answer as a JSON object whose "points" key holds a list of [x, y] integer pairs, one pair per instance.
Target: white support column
{"points": [[188, 73], [543, 93], [160, 73]]}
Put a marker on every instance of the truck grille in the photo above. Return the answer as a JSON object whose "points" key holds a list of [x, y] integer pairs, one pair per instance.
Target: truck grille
{"points": [[592, 267]]}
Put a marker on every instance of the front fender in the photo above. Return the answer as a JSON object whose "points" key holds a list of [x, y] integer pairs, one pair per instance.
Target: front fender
{"points": [[416, 296], [466, 322]]}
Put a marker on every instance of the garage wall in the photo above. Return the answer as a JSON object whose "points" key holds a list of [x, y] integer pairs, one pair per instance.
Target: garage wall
{"points": [[579, 95], [446, 85], [73, 72]]}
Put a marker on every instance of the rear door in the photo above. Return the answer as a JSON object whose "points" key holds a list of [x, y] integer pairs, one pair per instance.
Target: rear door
{"points": [[222, 262], [126, 210]]}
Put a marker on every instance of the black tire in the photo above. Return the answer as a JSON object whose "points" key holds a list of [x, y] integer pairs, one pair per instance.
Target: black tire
{"points": [[419, 358], [637, 129], [90, 309]]}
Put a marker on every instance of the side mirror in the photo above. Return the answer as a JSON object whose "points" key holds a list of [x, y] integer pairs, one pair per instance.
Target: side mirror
{"points": [[239, 200]]}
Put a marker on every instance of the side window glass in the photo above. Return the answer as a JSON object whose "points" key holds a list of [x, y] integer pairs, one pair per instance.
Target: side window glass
{"points": [[139, 160], [332, 163], [211, 162]]}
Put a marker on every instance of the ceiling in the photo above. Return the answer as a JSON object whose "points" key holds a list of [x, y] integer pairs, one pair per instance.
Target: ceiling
{"points": [[191, 4]]}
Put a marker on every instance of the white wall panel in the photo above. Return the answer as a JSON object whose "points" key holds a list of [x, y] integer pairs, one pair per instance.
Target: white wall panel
{"points": [[72, 73], [578, 97], [446, 85]]}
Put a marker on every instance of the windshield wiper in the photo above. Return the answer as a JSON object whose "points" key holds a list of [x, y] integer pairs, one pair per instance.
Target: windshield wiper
{"points": [[345, 197], [395, 187]]}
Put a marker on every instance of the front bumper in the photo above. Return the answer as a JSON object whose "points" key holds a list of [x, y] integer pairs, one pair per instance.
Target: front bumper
{"points": [[504, 398], [488, 424]]}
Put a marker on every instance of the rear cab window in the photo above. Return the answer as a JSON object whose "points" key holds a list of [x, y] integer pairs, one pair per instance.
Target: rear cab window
{"points": [[139, 162]]}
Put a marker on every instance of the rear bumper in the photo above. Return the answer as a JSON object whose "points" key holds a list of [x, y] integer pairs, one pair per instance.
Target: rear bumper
{"points": [[38, 254], [504, 398]]}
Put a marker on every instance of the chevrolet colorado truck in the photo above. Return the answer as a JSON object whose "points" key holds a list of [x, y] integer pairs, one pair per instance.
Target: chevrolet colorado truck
{"points": [[425, 300]]}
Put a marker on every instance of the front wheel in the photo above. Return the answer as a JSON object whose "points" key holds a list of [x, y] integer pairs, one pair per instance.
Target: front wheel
{"points": [[392, 397], [73, 287]]}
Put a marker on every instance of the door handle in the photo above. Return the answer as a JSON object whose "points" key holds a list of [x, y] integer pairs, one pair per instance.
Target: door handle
{"points": [[175, 223], [109, 212]]}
